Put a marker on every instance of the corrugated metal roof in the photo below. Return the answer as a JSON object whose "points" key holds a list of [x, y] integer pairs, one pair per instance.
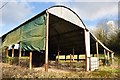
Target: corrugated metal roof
{"points": [[66, 14]]}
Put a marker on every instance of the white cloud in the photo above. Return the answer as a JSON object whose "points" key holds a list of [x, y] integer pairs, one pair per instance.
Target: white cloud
{"points": [[112, 26], [17, 12], [96, 0], [37, 0], [13, 14], [61, 0]]}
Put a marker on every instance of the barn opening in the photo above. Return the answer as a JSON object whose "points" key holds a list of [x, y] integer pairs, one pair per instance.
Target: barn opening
{"points": [[64, 36]]}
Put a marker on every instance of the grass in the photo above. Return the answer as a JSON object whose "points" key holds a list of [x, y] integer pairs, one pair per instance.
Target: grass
{"points": [[68, 57], [12, 71], [109, 69]]}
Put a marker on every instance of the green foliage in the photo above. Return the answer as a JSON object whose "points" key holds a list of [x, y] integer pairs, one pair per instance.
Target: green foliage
{"points": [[24, 61], [101, 35], [12, 60], [7, 60], [114, 42]]}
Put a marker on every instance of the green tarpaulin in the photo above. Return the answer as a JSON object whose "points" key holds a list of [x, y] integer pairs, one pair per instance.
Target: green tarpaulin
{"points": [[31, 35], [11, 38]]}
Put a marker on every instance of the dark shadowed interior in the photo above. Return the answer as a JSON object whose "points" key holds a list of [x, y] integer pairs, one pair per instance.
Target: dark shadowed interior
{"points": [[64, 36]]}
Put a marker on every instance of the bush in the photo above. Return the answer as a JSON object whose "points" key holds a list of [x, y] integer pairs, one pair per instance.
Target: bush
{"points": [[14, 60], [24, 62]]}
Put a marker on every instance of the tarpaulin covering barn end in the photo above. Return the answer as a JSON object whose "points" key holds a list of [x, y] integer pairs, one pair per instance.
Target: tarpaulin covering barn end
{"points": [[31, 35]]}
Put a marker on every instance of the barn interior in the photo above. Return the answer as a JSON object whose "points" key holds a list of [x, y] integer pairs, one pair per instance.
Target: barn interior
{"points": [[64, 36], [68, 38]]}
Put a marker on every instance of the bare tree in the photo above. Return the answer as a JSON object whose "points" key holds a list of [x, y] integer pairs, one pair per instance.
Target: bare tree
{"points": [[108, 32]]}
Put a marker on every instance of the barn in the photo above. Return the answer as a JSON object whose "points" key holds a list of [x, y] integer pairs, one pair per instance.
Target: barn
{"points": [[56, 31]]}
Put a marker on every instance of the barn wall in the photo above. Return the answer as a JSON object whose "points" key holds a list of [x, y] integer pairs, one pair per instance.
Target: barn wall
{"points": [[31, 35]]}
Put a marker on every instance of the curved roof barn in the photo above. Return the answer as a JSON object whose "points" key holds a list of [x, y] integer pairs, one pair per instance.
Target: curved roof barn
{"points": [[57, 29], [66, 28]]}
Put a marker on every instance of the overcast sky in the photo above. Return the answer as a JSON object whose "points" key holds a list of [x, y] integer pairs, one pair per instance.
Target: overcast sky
{"points": [[14, 13]]}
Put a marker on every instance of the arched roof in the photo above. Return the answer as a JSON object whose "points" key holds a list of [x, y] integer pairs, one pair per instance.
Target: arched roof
{"points": [[66, 14]]}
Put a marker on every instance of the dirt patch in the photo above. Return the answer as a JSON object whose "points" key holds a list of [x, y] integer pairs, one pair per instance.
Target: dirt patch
{"points": [[51, 70]]}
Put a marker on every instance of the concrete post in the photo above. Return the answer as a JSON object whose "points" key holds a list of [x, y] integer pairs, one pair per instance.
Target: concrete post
{"points": [[87, 49]]}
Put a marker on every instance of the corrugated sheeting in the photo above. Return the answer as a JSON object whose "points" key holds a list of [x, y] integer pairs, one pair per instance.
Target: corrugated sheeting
{"points": [[11, 38], [66, 14], [87, 43]]}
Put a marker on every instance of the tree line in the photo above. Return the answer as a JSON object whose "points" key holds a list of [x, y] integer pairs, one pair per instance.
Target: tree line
{"points": [[108, 32]]}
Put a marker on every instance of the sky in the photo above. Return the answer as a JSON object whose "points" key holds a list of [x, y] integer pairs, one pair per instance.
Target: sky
{"points": [[15, 12]]}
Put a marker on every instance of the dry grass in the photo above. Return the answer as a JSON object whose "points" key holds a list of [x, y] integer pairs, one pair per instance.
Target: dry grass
{"points": [[11, 71]]}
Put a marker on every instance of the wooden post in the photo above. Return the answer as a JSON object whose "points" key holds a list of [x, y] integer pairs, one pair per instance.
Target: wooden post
{"points": [[73, 54], [78, 57], [7, 52], [105, 63], [112, 56], [108, 56], [46, 45], [93, 55], [65, 57], [105, 54], [97, 49], [20, 52], [58, 56], [30, 65], [13, 50], [70, 60], [58, 59]]}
